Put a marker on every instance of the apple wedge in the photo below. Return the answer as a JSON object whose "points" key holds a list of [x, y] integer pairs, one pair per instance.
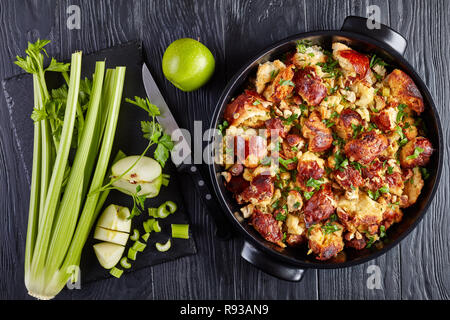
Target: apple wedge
{"points": [[111, 236], [115, 218], [146, 173], [108, 254]]}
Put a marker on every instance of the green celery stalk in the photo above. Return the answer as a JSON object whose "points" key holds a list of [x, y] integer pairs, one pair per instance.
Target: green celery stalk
{"points": [[89, 209], [37, 280], [71, 202], [33, 215]]}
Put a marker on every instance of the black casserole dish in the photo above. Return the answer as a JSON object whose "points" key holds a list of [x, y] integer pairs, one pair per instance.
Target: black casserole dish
{"points": [[288, 263]]}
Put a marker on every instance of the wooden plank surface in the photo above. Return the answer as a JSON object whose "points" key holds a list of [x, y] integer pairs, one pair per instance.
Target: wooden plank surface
{"points": [[234, 30]]}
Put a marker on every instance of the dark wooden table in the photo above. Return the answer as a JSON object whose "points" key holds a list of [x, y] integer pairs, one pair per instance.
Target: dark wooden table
{"points": [[234, 30]]}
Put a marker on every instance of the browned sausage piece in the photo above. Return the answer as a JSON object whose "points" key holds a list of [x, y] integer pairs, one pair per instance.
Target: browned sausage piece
{"points": [[320, 207], [348, 178], [366, 148], [295, 240], [347, 118], [237, 184], [267, 226], [306, 170], [357, 244], [261, 188], [309, 86], [275, 126], [319, 136], [416, 153], [359, 61], [243, 110]]}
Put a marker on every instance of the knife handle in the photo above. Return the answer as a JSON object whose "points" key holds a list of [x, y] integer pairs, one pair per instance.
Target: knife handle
{"points": [[223, 227]]}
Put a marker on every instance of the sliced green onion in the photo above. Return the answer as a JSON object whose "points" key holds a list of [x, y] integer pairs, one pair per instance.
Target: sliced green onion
{"points": [[148, 225], [132, 254], [124, 263], [116, 272], [153, 212], [163, 247], [139, 246], [146, 236], [180, 231], [135, 235], [156, 226]]}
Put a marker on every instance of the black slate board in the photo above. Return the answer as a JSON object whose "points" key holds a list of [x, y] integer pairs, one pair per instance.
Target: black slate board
{"points": [[18, 91]]}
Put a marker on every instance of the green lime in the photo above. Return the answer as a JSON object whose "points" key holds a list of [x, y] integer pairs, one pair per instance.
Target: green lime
{"points": [[188, 64]]}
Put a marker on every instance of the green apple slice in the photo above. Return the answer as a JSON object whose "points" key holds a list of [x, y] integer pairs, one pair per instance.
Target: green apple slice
{"points": [[115, 218], [108, 254], [111, 236], [146, 173]]}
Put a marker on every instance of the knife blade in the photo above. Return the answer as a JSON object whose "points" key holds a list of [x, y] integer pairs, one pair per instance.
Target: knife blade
{"points": [[181, 155], [182, 150]]}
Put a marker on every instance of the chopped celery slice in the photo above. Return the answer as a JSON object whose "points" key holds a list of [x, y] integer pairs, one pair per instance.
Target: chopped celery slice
{"points": [[180, 231], [124, 263], [146, 236], [139, 246], [116, 272], [135, 235], [132, 254], [148, 225], [156, 227], [163, 247], [153, 212]]}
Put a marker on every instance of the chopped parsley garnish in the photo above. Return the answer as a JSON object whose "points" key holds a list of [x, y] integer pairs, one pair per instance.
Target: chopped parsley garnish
{"points": [[287, 162], [417, 152], [370, 242], [425, 174], [401, 112], [328, 123], [374, 195], [280, 217], [256, 102], [223, 126], [390, 170], [297, 205], [330, 228], [376, 60], [357, 129], [315, 183], [302, 45], [334, 115], [308, 195], [382, 232], [357, 166], [331, 66], [274, 73], [291, 118], [286, 83], [333, 217], [265, 161]]}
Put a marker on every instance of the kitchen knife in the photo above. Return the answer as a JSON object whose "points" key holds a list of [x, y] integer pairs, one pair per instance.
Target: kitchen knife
{"points": [[181, 155]]}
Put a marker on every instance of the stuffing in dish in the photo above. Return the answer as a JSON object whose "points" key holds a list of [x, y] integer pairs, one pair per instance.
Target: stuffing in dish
{"points": [[324, 149]]}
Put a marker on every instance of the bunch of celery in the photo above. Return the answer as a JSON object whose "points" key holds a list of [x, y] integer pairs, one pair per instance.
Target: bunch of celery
{"points": [[64, 200]]}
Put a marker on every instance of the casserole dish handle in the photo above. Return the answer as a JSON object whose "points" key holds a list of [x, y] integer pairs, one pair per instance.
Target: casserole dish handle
{"points": [[264, 262], [383, 33]]}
